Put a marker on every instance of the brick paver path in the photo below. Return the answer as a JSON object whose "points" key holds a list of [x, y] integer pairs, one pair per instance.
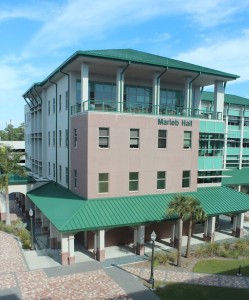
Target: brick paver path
{"points": [[190, 277], [15, 276]]}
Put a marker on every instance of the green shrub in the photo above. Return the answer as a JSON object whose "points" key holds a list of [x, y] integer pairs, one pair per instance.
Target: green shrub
{"points": [[161, 258], [227, 245], [25, 238], [172, 256]]}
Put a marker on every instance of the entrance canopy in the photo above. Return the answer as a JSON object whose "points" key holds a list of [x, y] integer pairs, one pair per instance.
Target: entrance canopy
{"points": [[69, 212]]}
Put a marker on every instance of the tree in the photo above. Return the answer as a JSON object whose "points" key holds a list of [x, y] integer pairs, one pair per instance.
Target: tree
{"points": [[185, 208], [9, 165], [10, 133]]}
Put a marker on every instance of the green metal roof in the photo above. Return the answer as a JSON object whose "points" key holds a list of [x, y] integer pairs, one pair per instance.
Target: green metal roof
{"points": [[69, 212], [236, 177], [130, 55], [16, 179], [230, 99]]}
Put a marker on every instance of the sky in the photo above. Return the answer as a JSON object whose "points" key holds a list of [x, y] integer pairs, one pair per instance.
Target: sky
{"points": [[37, 36]]}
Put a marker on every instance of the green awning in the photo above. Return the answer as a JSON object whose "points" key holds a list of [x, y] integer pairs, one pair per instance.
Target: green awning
{"points": [[236, 177], [68, 212]]}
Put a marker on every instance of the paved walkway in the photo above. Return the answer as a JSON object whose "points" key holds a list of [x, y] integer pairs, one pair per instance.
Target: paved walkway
{"points": [[88, 281]]}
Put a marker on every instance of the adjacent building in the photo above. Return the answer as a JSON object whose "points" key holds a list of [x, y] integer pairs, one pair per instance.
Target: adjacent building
{"points": [[113, 135]]}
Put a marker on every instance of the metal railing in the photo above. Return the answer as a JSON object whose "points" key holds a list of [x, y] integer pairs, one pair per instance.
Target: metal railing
{"points": [[137, 108]]}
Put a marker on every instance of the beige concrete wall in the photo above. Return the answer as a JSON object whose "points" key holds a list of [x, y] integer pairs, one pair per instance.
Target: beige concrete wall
{"points": [[119, 159]]}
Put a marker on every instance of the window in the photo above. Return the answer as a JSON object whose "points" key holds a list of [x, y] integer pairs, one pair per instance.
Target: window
{"points": [[75, 137], [59, 138], [185, 179], [66, 138], [59, 102], [60, 175], [53, 105], [161, 179], [75, 179], [49, 108], [54, 138], [53, 170], [49, 138], [66, 100], [187, 140], [66, 175], [133, 181], [134, 138], [103, 137], [49, 170], [103, 182], [162, 138]]}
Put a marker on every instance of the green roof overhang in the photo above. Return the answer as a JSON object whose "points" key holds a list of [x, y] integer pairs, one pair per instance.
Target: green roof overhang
{"points": [[236, 177], [71, 213]]}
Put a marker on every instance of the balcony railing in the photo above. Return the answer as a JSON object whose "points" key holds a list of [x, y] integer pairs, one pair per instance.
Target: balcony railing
{"points": [[136, 108]]}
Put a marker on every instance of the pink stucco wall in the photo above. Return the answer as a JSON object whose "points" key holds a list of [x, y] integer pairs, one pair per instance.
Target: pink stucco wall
{"points": [[119, 159]]}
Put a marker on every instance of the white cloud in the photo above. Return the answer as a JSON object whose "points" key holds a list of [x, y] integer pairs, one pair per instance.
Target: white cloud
{"points": [[230, 55]]}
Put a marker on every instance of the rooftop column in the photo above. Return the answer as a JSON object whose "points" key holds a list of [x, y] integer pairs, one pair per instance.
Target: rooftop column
{"points": [[219, 99], [84, 85]]}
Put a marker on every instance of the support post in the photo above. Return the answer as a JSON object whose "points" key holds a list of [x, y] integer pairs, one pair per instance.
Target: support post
{"points": [[140, 240]]}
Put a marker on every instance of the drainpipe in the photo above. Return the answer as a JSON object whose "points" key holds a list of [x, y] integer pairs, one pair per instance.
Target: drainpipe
{"points": [[56, 149], [190, 90], [121, 87], [68, 124]]}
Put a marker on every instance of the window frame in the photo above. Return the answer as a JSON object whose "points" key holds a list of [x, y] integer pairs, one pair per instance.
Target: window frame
{"points": [[161, 180], [186, 179], [162, 139], [103, 183], [75, 179], [133, 182], [103, 137], [187, 139], [75, 137], [134, 138]]}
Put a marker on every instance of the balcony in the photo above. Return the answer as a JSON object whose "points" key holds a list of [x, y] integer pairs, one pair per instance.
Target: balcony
{"points": [[137, 108]]}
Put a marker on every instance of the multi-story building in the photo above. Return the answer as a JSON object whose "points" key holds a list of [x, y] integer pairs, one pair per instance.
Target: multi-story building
{"points": [[118, 133]]}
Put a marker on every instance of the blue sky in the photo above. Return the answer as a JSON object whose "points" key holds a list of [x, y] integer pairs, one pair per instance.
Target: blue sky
{"points": [[37, 36]]}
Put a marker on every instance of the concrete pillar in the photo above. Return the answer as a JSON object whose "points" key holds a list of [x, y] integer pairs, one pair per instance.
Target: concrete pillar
{"points": [[187, 98], [225, 143], [140, 240], [240, 225], [85, 242], [234, 225], [178, 227], [205, 234], [211, 229], [84, 85], [120, 89], [219, 99], [71, 256], [100, 241], [156, 94], [242, 121], [64, 249], [135, 239], [197, 100], [172, 239], [53, 236]]}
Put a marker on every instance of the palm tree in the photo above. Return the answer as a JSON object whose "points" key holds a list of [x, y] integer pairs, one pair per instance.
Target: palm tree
{"points": [[185, 208], [9, 165]]}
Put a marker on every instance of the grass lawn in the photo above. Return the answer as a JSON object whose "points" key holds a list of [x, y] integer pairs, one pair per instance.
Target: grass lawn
{"points": [[223, 267], [179, 291]]}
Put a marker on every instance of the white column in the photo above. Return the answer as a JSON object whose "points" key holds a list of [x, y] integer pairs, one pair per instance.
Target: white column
{"points": [[140, 240], [234, 225], [205, 234], [120, 89], [173, 229], [84, 85], [240, 225], [135, 238], [156, 94], [211, 229], [100, 236], [219, 98], [197, 98], [187, 98], [71, 258], [225, 143], [64, 249]]}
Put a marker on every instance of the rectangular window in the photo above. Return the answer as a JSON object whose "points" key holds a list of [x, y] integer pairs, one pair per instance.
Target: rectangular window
{"points": [[49, 170], [75, 137], [185, 179], [103, 137], [59, 102], [66, 138], [134, 138], [66, 100], [187, 144], [53, 170], [54, 138], [133, 181], [103, 182], [53, 105], [66, 175], [161, 180], [59, 138], [60, 175], [162, 138], [75, 179], [49, 108], [49, 138]]}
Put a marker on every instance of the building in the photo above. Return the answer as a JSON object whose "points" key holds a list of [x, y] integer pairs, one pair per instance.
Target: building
{"points": [[117, 133]]}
